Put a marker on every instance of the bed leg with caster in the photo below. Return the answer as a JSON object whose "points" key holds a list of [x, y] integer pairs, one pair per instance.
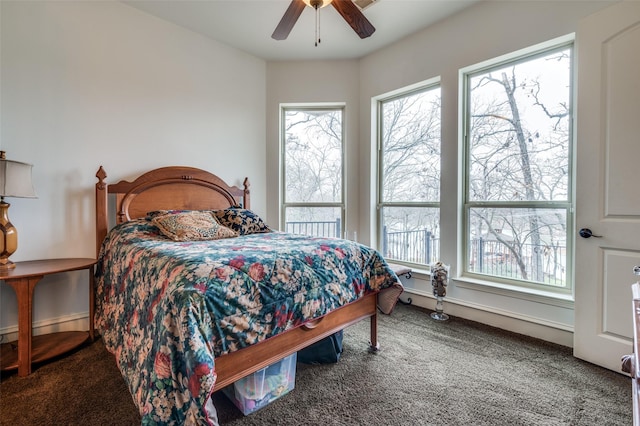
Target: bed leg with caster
{"points": [[374, 346]]}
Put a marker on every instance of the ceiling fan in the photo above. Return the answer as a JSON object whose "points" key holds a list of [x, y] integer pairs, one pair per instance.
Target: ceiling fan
{"points": [[346, 8]]}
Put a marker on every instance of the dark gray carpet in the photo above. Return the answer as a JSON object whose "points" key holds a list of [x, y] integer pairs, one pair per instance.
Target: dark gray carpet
{"points": [[428, 373]]}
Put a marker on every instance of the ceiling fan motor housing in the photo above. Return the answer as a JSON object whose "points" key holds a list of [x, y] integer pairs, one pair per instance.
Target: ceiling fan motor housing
{"points": [[317, 4]]}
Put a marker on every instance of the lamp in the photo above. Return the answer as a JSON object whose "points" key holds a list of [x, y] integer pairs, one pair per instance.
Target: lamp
{"points": [[15, 181]]}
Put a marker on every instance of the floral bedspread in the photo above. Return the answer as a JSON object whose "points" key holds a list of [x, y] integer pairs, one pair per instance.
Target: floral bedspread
{"points": [[167, 309]]}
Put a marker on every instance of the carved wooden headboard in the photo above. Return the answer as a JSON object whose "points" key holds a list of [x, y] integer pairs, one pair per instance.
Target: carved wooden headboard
{"points": [[166, 188]]}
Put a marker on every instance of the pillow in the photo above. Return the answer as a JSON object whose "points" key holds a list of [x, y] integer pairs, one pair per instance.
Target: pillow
{"points": [[243, 221], [191, 226]]}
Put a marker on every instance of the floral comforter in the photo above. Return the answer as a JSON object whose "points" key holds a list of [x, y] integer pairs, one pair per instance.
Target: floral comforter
{"points": [[167, 309]]}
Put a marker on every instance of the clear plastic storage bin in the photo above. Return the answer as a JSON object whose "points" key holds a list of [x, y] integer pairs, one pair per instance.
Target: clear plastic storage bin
{"points": [[264, 386]]}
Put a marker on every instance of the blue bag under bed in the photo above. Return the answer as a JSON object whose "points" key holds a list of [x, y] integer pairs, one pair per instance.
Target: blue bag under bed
{"points": [[325, 351]]}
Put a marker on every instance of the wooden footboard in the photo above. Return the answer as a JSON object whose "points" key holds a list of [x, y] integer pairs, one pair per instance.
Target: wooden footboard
{"points": [[239, 364]]}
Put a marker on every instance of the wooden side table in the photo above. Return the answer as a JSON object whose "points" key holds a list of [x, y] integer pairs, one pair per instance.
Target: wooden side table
{"points": [[23, 278]]}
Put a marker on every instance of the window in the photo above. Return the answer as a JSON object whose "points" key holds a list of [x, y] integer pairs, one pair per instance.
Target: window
{"points": [[409, 176], [312, 158], [517, 200]]}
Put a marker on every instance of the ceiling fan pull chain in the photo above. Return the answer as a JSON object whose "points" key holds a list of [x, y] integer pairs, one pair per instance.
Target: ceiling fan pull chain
{"points": [[317, 24]]}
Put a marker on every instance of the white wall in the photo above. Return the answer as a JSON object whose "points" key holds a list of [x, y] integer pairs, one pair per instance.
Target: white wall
{"points": [[314, 82], [85, 84]]}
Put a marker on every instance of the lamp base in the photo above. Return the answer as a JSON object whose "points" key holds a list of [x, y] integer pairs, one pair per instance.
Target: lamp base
{"points": [[8, 237], [6, 265]]}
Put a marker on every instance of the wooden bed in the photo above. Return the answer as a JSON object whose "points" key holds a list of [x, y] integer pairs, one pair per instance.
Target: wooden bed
{"points": [[188, 188]]}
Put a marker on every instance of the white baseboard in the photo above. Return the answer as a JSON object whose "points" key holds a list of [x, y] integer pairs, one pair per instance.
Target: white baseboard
{"points": [[75, 322], [549, 331], [511, 321]]}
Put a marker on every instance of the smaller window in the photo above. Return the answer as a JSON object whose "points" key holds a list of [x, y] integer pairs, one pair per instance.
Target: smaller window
{"points": [[312, 158]]}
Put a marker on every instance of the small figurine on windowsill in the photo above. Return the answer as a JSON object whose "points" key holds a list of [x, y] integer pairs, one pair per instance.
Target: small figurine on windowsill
{"points": [[439, 281]]}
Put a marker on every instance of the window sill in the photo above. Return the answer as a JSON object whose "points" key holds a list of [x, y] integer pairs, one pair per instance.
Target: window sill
{"points": [[529, 294], [501, 289]]}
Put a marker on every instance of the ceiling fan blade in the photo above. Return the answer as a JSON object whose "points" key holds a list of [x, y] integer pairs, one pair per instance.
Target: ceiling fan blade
{"points": [[288, 20], [354, 17]]}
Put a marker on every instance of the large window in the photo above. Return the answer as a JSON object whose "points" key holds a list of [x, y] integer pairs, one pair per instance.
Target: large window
{"points": [[312, 158], [517, 200], [409, 176]]}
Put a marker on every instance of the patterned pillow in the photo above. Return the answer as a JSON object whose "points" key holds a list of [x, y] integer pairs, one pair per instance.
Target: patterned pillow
{"points": [[242, 221], [191, 226]]}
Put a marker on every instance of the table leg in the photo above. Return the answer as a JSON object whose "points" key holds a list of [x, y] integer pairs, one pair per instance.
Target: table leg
{"points": [[24, 293]]}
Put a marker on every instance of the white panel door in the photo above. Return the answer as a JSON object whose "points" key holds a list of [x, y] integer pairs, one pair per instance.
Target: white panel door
{"points": [[608, 182]]}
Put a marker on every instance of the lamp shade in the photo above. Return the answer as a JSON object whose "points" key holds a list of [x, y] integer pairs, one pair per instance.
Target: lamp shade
{"points": [[15, 179]]}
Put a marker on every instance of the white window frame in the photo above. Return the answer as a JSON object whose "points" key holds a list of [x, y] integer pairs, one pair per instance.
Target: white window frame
{"points": [[377, 102], [466, 276], [284, 204]]}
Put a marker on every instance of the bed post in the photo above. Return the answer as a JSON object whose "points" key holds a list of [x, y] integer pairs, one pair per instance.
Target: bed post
{"points": [[246, 194], [374, 346], [102, 221]]}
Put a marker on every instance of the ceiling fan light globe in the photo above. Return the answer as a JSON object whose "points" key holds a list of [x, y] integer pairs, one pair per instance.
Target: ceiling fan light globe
{"points": [[317, 4]]}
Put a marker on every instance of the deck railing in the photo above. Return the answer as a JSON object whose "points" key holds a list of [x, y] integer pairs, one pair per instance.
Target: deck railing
{"points": [[419, 246], [541, 263], [486, 256], [317, 229]]}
